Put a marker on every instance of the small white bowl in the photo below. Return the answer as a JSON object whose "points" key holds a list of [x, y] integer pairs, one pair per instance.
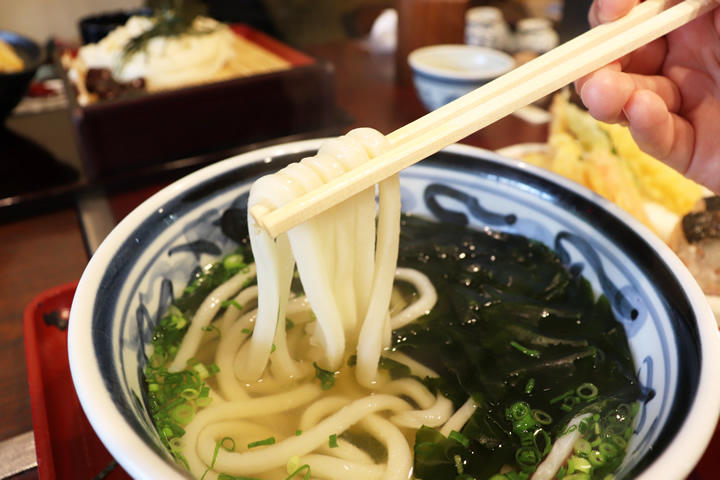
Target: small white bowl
{"points": [[442, 73]]}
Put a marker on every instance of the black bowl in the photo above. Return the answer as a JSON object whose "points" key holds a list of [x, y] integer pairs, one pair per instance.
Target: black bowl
{"points": [[95, 27], [14, 85]]}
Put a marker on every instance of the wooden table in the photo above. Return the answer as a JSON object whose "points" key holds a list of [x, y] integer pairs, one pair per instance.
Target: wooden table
{"points": [[45, 247]]}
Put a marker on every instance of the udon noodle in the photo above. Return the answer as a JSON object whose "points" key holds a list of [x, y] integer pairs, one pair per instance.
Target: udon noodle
{"points": [[289, 368]]}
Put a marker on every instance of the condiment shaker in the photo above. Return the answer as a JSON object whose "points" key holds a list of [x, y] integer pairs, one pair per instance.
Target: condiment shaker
{"points": [[486, 27], [535, 35]]}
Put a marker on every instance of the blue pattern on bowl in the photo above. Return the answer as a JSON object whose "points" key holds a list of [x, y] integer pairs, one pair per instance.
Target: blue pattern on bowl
{"points": [[461, 185]]}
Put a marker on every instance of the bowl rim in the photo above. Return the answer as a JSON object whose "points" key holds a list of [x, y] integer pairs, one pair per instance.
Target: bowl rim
{"points": [[418, 62], [141, 461], [28, 67]]}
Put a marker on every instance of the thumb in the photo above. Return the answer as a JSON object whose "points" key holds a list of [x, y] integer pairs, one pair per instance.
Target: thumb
{"points": [[603, 11]]}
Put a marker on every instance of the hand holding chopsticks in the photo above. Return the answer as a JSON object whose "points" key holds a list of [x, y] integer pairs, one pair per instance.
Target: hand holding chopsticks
{"points": [[491, 102]]}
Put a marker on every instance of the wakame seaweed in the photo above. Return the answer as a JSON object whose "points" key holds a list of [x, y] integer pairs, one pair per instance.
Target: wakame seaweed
{"points": [[511, 325]]}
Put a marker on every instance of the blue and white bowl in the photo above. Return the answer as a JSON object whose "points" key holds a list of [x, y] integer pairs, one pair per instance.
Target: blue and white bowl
{"points": [[152, 252], [443, 73]]}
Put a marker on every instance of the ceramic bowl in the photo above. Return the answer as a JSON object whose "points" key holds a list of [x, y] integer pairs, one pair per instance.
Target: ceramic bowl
{"points": [[14, 85], [671, 329], [443, 73]]}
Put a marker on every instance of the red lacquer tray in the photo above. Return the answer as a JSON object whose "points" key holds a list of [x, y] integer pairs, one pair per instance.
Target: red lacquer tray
{"points": [[67, 447]]}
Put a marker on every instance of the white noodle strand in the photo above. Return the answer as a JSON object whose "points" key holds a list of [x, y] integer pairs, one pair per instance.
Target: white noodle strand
{"points": [[560, 451], [460, 417], [427, 297], [204, 315]]}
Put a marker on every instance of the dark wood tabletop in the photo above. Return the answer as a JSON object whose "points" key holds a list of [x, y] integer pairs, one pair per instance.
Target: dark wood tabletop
{"points": [[43, 246]]}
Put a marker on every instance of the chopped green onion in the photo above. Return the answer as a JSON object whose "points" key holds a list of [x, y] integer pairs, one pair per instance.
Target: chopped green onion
{"points": [[289, 324], [182, 414], [579, 464], [327, 378], [272, 350], [246, 331], [518, 410], [292, 464], [189, 394], [176, 444], [541, 416], [234, 261], [561, 397], [298, 433], [212, 328], [529, 386], [587, 391], [460, 438], [332, 442], [306, 476], [201, 371], [267, 441], [527, 351], [619, 441], [608, 449], [596, 458], [527, 457], [225, 476], [458, 464], [569, 402], [231, 302], [582, 447], [547, 442], [574, 476]]}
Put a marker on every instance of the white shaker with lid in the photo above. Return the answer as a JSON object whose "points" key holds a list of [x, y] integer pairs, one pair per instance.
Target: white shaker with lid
{"points": [[486, 27], [535, 35]]}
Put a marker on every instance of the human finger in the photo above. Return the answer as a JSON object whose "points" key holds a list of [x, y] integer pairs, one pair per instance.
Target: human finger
{"points": [[659, 132], [646, 60], [607, 92], [603, 11]]}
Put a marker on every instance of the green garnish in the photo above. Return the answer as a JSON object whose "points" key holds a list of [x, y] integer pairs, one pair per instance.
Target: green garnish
{"points": [[327, 378], [458, 464], [220, 443], [168, 23], [213, 328], [332, 441], [246, 331], [527, 351], [289, 324], [587, 391], [298, 433], [460, 438], [231, 302], [267, 441], [306, 476], [529, 386], [225, 476]]}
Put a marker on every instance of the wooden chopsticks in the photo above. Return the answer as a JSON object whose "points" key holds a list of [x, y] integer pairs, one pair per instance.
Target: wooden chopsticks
{"points": [[491, 102]]}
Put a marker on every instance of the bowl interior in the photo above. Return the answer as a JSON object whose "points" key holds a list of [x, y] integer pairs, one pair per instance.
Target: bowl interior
{"points": [[14, 85], [152, 253], [460, 62]]}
